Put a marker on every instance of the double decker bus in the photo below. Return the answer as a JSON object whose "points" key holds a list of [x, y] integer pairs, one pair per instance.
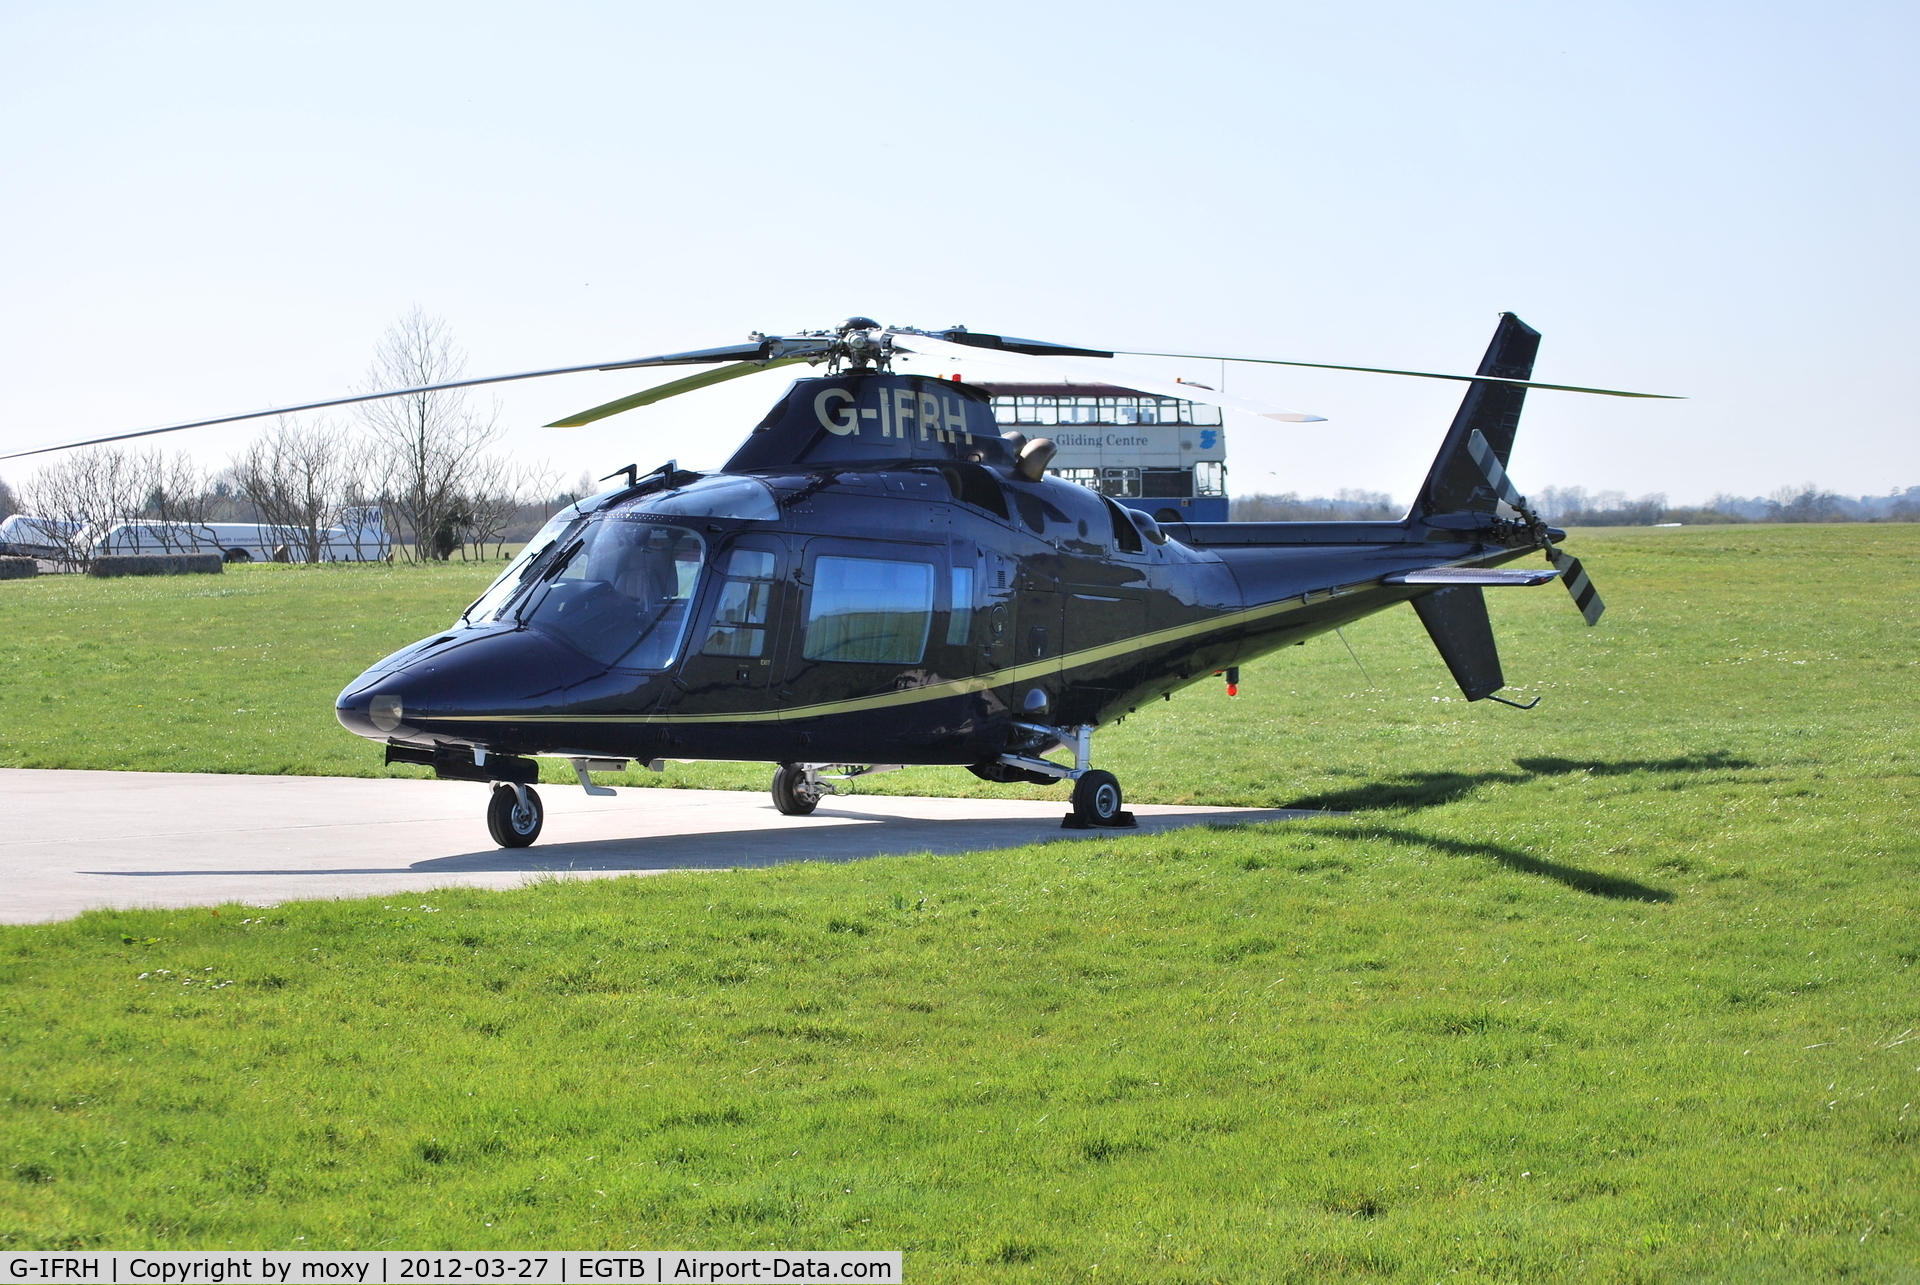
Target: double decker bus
{"points": [[1161, 455]]}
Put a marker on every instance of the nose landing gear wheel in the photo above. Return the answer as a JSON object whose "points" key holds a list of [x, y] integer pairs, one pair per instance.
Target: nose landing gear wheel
{"points": [[795, 792], [512, 824], [1096, 802]]}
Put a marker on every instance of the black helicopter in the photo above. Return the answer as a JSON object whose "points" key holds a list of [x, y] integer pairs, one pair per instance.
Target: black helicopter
{"points": [[881, 576]]}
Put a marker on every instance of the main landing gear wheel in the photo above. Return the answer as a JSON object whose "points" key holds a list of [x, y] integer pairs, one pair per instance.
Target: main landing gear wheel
{"points": [[795, 792], [1096, 802], [512, 823]]}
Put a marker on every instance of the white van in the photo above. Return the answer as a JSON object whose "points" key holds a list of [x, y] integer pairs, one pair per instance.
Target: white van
{"points": [[361, 536], [22, 536]]}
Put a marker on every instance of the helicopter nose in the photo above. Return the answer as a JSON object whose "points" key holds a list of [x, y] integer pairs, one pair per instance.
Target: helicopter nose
{"points": [[490, 674], [377, 712], [374, 716]]}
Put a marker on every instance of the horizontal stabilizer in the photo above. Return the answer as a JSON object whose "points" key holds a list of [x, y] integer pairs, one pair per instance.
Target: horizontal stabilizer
{"points": [[1485, 577]]}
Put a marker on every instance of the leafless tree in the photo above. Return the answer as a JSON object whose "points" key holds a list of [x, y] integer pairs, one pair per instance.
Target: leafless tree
{"points": [[499, 491], [9, 503], [1804, 503], [84, 495], [1347, 506], [429, 443], [179, 501], [298, 479]]}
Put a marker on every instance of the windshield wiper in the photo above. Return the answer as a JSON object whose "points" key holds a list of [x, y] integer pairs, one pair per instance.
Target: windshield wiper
{"points": [[539, 564], [559, 564]]}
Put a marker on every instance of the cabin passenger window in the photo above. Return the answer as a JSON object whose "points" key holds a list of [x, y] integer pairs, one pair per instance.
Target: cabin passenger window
{"points": [[740, 620], [867, 610], [960, 619]]}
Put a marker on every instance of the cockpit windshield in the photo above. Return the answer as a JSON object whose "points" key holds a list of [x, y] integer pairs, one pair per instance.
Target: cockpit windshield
{"points": [[618, 591], [512, 580]]}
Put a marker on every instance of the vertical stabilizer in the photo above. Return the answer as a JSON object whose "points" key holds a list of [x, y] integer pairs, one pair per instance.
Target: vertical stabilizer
{"points": [[1456, 484], [1456, 620]]}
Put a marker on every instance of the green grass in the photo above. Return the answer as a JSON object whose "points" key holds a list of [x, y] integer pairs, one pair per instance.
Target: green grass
{"points": [[1624, 988], [230, 673]]}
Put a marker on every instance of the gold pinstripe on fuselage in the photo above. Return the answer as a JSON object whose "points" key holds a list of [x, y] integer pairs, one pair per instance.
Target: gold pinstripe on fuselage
{"points": [[1011, 675]]}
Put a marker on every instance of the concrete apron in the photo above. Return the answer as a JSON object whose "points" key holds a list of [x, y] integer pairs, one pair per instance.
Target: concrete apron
{"points": [[76, 841]]}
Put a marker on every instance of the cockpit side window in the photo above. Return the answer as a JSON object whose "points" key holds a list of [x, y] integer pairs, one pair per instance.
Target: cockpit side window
{"points": [[739, 625]]}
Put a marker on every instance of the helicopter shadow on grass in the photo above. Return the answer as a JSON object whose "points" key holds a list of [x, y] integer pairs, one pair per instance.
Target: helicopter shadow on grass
{"points": [[862, 835], [1412, 791], [1613, 887]]}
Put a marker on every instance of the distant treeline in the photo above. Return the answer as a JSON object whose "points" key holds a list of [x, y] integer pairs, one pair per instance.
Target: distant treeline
{"points": [[1576, 506], [1347, 506]]}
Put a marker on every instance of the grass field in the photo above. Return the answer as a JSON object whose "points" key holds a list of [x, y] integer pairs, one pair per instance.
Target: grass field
{"points": [[1624, 988]]}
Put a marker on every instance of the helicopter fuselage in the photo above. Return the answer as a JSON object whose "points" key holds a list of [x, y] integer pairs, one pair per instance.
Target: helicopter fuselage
{"points": [[925, 604]]}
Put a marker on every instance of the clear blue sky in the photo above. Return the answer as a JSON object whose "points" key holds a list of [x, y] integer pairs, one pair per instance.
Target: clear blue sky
{"points": [[211, 207]]}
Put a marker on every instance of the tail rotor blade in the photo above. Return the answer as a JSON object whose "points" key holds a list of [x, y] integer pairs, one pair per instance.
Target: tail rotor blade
{"points": [[1574, 576], [1496, 473]]}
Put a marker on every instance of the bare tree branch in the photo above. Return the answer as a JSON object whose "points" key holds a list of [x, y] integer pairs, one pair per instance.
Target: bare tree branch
{"points": [[84, 496], [179, 499], [429, 442], [500, 489], [298, 481]]}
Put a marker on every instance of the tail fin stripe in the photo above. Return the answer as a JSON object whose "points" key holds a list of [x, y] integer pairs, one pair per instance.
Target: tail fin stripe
{"points": [[1482, 452]]}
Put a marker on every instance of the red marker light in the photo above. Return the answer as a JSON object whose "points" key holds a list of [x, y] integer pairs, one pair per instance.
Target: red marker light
{"points": [[956, 379], [1233, 689]]}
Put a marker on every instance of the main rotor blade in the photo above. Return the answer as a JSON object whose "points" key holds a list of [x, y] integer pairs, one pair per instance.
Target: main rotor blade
{"points": [[757, 350], [705, 379], [1007, 343], [1416, 374], [932, 345]]}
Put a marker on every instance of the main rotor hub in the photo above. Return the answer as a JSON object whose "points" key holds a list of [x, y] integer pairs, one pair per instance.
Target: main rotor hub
{"points": [[860, 344]]}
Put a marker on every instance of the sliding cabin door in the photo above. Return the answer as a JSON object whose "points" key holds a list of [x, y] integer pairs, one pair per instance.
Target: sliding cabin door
{"points": [[876, 623]]}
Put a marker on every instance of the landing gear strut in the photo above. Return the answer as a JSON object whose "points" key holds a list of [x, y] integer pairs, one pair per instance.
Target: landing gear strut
{"points": [[1096, 794], [514, 815]]}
